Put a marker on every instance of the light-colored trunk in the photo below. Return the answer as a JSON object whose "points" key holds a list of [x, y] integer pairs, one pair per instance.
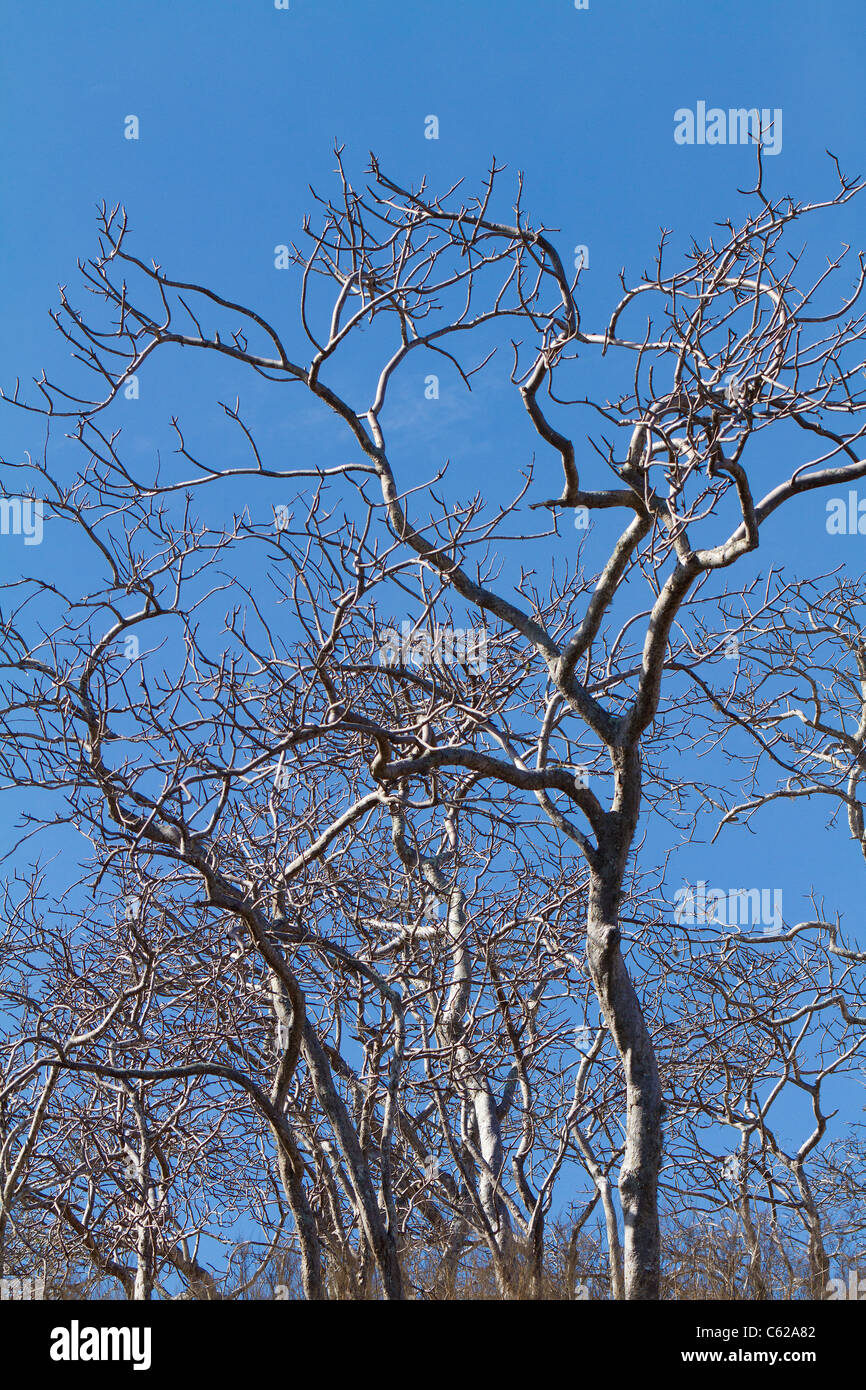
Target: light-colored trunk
{"points": [[377, 1233], [638, 1179], [751, 1237], [819, 1263], [291, 1177]]}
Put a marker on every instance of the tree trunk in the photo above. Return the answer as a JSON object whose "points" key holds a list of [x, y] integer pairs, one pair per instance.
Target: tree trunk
{"points": [[377, 1233], [638, 1179]]}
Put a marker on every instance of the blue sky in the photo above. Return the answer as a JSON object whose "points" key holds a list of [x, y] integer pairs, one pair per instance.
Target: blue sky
{"points": [[239, 106]]}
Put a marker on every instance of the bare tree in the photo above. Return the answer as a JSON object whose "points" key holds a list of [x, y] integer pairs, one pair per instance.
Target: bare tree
{"points": [[188, 770]]}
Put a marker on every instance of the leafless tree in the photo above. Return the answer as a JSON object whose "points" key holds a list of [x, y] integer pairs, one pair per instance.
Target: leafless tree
{"points": [[228, 769]]}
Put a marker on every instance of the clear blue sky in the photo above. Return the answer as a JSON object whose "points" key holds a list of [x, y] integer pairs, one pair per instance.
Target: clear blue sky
{"points": [[240, 103]]}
